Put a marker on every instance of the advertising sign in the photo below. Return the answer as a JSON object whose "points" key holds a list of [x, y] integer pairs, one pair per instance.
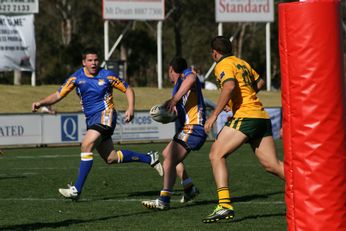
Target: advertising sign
{"points": [[20, 129], [40, 129], [142, 127], [134, 9], [244, 10], [18, 6], [69, 128], [17, 43]]}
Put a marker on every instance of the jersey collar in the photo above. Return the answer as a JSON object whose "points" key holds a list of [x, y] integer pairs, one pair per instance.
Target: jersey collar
{"points": [[224, 56]]}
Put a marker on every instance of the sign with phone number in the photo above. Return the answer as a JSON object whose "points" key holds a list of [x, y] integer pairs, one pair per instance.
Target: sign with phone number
{"points": [[18, 6]]}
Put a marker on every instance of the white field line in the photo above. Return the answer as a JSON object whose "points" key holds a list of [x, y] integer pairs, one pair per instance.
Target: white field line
{"points": [[128, 200]]}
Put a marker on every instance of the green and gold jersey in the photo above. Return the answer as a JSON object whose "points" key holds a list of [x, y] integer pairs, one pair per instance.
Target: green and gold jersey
{"points": [[244, 101]]}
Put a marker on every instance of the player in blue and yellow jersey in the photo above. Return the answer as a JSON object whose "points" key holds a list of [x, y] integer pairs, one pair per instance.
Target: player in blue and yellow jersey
{"points": [[187, 101], [94, 86], [250, 123]]}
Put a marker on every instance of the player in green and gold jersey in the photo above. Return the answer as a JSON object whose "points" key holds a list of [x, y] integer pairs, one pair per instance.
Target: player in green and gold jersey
{"points": [[250, 123]]}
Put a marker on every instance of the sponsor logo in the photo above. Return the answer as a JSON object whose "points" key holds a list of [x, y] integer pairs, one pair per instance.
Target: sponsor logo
{"points": [[12, 130], [69, 128]]}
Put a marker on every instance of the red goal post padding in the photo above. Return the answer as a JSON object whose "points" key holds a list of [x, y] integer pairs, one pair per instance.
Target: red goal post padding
{"points": [[313, 100]]}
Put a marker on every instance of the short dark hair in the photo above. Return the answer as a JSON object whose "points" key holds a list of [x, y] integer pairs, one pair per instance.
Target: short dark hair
{"points": [[178, 64], [222, 45], [89, 50]]}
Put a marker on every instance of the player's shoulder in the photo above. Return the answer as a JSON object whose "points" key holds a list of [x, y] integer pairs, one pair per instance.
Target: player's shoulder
{"points": [[79, 72], [106, 73], [187, 72]]}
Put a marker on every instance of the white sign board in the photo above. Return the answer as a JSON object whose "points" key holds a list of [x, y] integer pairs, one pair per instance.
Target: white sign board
{"points": [[71, 127], [244, 10], [17, 43], [18, 6], [134, 9], [142, 127], [20, 129]]}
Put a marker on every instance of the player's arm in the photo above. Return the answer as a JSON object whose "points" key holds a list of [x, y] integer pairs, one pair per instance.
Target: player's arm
{"points": [[130, 95], [259, 84], [49, 100], [55, 97], [122, 86], [222, 101], [184, 88]]}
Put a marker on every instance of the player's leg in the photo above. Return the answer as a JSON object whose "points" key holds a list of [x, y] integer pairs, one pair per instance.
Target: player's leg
{"points": [[191, 137], [86, 163], [188, 138], [106, 150], [190, 190], [173, 154], [228, 140], [265, 150]]}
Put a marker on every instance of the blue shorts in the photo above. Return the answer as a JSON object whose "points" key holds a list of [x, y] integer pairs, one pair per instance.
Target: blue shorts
{"points": [[103, 122], [191, 137]]}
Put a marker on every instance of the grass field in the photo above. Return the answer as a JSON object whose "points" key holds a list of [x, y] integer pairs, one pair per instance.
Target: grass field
{"points": [[146, 97], [29, 199]]}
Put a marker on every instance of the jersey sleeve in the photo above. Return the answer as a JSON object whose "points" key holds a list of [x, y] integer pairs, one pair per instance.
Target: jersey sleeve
{"points": [[189, 71], [224, 73], [118, 83], [255, 75], [68, 86]]}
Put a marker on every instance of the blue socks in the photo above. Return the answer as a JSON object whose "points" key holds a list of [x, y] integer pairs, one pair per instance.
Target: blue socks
{"points": [[125, 156], [84, 169], [165, 195]]}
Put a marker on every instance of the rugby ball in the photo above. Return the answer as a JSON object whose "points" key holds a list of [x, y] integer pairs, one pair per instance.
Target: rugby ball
{"points": [[161, 114]]}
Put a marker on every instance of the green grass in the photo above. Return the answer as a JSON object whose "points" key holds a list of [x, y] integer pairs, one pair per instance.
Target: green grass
{"points": [[29, 199], [146, 97]]}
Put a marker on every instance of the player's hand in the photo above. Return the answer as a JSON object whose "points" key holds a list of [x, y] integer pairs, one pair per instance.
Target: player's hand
{"points": [[129, 115], [35, 106], [209, 123], [227, 108], [171, 106]]}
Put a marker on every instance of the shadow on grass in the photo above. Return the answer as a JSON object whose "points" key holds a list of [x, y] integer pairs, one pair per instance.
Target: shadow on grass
{"points": [[254, 217], [130, 195], [155, 194], [11, 177], [69, 222], [64, 223], [246, 198], [252, 197]]}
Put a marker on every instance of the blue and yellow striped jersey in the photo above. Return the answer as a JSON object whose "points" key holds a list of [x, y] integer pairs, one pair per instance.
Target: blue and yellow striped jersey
{"points": [[191, 108], [95, 92]]}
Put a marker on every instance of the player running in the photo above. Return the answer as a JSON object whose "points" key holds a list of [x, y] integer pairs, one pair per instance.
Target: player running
{"points": [[187, 101], [94, 86], [250, 123]]}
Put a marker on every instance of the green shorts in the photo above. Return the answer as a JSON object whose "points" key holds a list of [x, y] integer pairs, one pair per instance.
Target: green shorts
{"points": [[253, 128]]}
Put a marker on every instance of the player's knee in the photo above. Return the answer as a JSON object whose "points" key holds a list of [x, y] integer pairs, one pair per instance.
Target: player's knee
{"points": [[270, 167], [111, 158], [86, 147], [165, 154], [213, 156]]}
